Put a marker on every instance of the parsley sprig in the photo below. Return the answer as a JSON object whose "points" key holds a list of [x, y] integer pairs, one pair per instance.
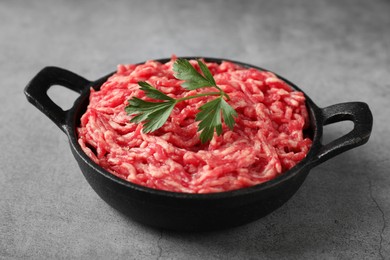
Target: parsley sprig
{"points": [[155, 114]]}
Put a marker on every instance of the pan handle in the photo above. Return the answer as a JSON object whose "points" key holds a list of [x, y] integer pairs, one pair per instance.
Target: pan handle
{"points": [[357, 112], [36, 91]]}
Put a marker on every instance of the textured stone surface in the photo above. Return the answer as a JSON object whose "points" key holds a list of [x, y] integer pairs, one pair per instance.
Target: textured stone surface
{"points": [[337, 51]]}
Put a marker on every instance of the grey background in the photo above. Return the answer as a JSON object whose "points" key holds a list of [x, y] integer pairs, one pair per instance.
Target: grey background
{"points": [[337, 51]]}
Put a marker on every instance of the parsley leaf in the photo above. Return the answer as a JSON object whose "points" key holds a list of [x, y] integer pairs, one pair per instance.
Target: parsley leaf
{"points": [[210, 118], [207, 73], [154, 113], [152, 92], [193, 79], [228, 114]]}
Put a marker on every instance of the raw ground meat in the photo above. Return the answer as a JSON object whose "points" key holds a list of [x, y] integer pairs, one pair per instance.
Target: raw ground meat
{"points": [[266, 141]]}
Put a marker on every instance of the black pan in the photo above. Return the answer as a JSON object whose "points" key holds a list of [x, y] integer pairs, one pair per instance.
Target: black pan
{"points": [[182, 211]]}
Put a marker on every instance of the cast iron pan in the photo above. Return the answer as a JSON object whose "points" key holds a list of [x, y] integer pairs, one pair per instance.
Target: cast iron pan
{"points": [[182, 211]]}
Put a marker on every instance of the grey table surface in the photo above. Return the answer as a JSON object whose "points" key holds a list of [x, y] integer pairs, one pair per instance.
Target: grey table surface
{"points": [[337, 51]]}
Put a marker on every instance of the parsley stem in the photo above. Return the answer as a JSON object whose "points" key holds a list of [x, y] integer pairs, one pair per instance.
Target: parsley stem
{"points": [[222, 92], [200, 95]]}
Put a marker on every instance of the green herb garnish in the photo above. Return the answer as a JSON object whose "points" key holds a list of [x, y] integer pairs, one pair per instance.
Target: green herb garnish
{"points": [[155, 114]]}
